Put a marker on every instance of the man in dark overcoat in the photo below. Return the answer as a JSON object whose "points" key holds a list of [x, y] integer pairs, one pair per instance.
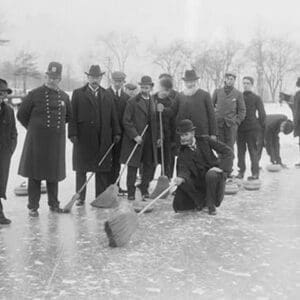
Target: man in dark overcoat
{"points": [[93, 128], [196, 105], [116, 95], [250, 129], [139, 112], [168, 123], [230, 110], [8, 143], [201, 175], [44, 113]]}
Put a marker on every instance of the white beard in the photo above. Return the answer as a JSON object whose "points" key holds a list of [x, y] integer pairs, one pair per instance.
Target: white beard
{"points": [[190, 92]]}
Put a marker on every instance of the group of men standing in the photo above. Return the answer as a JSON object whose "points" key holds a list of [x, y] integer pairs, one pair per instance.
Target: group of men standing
{"points": [[195, 127]]}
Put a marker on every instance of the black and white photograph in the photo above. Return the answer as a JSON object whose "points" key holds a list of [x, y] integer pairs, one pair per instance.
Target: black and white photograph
{"points": [[149, 149]]}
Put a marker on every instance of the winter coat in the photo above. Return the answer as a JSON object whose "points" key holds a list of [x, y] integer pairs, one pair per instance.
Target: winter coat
{"points": [[44, 113], [94, 123], [8, 143]]}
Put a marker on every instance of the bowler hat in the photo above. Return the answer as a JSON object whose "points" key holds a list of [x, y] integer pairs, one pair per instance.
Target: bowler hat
{"points": [[54, 69], [227, 74], [95, 71], [190, 75], [130, 86], [298, 82], [4, 87], [185, 126], [118, 76], [146, 80]]}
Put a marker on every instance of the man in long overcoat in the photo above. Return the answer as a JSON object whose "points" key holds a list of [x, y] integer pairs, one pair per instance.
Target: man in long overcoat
{"points": [[168, 123], [8, 143], [196, 105], [93, 128], [139, 112], [201, 174], [116, 95], [44, 113]]}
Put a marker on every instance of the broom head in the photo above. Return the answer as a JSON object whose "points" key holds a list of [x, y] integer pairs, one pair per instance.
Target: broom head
{"points": [[162, 184], [107, 199], [67, 208], [121, 224]]}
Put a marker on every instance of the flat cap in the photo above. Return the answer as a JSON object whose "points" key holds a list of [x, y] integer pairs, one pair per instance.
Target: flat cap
{"points": [[130, 86], [118, 75]]}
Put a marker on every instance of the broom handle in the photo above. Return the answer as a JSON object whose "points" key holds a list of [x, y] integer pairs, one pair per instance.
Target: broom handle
{"points": [[154, 200], [100, 163], [130, 156], [161, 144]]}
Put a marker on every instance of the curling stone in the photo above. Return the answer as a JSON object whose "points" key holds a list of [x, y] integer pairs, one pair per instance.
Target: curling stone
{"points": [[231, 187], [22, 189], [274, 168], [252, 185]]}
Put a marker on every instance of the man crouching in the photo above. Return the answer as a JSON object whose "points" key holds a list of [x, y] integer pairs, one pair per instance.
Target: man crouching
{"points": [[201, 175]]}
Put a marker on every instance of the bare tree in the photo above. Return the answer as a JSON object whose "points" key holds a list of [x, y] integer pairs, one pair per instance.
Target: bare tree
{"points": [[119, 47], [25, 64], [172, 59], [215, 60]]}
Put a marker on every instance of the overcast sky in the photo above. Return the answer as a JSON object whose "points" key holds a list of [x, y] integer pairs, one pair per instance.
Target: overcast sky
{"points": [[63, 29]]}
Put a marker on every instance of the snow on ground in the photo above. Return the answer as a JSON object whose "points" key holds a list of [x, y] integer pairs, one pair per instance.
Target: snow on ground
{"points": [[250, 250]]}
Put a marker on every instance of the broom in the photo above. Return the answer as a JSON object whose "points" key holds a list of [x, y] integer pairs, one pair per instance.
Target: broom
{"points": [[124, 221], [67, 208], [163, 180], [109, 198]]}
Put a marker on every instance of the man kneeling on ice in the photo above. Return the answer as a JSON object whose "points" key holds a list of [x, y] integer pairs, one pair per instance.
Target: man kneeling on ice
{"points": [[201, 174]]}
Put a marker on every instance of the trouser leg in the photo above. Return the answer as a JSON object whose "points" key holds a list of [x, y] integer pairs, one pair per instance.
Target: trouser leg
{"points": [[190, 196], [215, 186], [34, 193], [80, 180], [116, 166], [253, 152], [260, 144], [230, 135], [131, 178], [52, 191], [241, 149], [102, 182], [148, 165]]}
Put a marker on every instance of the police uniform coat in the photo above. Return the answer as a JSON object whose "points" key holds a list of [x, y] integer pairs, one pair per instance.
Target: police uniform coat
{"points": [[44, 113]]}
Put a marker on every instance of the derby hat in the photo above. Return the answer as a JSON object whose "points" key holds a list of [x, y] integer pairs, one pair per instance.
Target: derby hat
{"points": [[190, 75], [4, 86], [146, 80], [185, 126], [95, 71], [54, 69]]}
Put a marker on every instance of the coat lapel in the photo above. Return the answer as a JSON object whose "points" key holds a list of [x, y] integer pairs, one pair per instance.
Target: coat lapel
{"points": [[142, 105], [89, 95]]}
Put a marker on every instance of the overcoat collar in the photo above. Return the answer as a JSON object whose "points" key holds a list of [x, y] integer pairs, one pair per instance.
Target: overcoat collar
{"points": [[90, 96], [142, 105]]}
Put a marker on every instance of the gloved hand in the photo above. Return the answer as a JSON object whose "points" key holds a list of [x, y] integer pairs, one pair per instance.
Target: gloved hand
{"points": [[117, 139], [74, 139]]}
